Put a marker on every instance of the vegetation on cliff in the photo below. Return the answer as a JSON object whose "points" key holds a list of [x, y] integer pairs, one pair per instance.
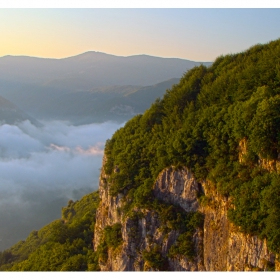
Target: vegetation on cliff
{"points": [[111, 239], [200, 124]]}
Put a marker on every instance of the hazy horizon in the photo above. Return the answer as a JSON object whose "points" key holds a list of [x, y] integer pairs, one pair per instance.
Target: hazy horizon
{"points": [[92, 51]]}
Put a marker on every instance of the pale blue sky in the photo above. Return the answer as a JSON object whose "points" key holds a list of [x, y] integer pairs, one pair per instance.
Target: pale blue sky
{"points": [[195, 34]]}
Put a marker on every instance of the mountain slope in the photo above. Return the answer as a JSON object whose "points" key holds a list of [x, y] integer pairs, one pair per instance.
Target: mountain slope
{"points": [[118, 103], [64, 244], [11, 114]]}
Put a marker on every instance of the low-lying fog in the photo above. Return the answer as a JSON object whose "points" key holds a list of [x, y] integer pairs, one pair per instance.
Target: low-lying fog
{"points": [[42, 168]]}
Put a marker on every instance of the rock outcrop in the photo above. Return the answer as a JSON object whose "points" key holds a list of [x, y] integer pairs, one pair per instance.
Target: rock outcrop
{"points": [[218, 245]]}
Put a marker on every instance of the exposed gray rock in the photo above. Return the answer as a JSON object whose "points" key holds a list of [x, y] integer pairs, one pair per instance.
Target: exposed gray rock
{"points": [[178, 188], [219, 246]]}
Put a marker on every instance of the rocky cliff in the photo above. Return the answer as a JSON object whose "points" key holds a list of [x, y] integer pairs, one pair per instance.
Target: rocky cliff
{"points": [[217, 245]]}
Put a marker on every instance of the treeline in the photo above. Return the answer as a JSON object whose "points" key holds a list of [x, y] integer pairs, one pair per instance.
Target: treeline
{"points": [[63, 245], [200, 123]]}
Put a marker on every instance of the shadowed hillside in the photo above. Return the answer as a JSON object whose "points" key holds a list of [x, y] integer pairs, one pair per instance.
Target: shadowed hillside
{"points": [[11, 114]]}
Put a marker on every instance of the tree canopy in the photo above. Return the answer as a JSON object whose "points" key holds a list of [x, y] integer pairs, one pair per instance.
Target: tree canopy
{"points": [[200, 123]]}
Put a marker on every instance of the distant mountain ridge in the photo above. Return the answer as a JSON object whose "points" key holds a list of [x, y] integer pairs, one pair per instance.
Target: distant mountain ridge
{"points": [[93, 69]]}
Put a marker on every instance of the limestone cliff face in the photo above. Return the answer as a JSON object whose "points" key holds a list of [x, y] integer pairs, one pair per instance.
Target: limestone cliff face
{"points": [[219, 245], [269, 165], [225, 247]]}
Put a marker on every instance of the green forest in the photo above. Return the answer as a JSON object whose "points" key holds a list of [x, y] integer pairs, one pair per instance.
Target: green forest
{"points": [[199, 123], [63, 245]]}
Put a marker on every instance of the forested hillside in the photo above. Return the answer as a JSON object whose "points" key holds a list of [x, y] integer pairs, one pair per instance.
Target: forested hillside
{"points": [[201, 123], [63, 245]]}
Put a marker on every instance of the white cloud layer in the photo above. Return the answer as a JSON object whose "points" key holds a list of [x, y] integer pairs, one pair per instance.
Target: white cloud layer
{"points": [[42, 168]]}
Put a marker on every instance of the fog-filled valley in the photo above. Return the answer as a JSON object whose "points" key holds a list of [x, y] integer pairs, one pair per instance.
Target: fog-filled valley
{"points": [[55, 117], [41, 168]]}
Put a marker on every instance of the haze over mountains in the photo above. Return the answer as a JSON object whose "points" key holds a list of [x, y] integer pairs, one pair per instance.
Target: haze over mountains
{"points": [[118, 103], [92, 69], [90, 87]]}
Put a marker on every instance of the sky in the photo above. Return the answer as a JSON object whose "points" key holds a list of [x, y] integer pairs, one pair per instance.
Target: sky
{"points": [[188, 33]]}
